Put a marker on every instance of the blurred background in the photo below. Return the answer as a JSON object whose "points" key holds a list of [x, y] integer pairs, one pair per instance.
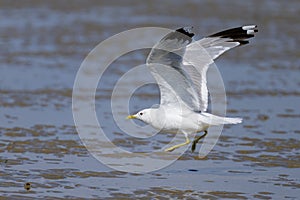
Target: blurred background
{"points": [[42, 46]]}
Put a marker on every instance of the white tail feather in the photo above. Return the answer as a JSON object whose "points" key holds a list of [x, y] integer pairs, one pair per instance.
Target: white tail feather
{"points": [[228, 120], [217, 120]]}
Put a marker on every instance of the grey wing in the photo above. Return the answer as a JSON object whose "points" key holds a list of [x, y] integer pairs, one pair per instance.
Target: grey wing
{"points": [[165, 64], [200, 54]]}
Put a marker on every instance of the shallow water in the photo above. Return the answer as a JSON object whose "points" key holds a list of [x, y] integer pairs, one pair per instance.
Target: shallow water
{"points": [[43, 45]]}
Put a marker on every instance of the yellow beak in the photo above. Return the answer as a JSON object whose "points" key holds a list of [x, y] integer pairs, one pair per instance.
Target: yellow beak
{"points": [[131, 117]]}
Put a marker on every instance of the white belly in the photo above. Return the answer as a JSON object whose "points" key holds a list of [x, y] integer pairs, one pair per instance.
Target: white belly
{"points": [[177, 123]]}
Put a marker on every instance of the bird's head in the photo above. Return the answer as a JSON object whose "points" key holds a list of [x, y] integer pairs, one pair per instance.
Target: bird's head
{"points": [[143, 115]]}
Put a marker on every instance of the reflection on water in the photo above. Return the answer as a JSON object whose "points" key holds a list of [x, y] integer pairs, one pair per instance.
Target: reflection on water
{"points": [[44, 45]]}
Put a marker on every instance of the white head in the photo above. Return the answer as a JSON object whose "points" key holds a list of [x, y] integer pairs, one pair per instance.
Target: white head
{"points": [[143, 115]]}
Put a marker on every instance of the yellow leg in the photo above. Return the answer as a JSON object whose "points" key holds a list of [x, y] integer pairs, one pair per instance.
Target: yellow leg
{"points": [[187, 141]]}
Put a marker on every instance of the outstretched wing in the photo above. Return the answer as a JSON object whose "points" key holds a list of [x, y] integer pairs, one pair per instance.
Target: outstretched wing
{"points": [[179, 65], [216, 44], [210, 48], [165, 64]]}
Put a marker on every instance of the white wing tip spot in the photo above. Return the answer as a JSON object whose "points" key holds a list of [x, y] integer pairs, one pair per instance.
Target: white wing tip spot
{"points": [[249, 27]]}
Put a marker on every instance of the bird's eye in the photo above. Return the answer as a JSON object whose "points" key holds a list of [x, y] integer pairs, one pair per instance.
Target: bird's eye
{"points": [[141, 113]]}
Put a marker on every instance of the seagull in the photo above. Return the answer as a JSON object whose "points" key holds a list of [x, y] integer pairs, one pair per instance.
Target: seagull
{"points": [[184, 93]]}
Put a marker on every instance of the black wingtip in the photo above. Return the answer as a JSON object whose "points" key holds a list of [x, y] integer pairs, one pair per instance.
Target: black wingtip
{"points": [[186, 31], [239, 34]]}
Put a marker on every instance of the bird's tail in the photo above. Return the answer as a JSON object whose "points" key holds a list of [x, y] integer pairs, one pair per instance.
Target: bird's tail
{"points": [[229, 120], [217, 120]]}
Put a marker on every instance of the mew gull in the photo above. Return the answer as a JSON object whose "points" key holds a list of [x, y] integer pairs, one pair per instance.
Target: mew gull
{"points": [[184, 95]]}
